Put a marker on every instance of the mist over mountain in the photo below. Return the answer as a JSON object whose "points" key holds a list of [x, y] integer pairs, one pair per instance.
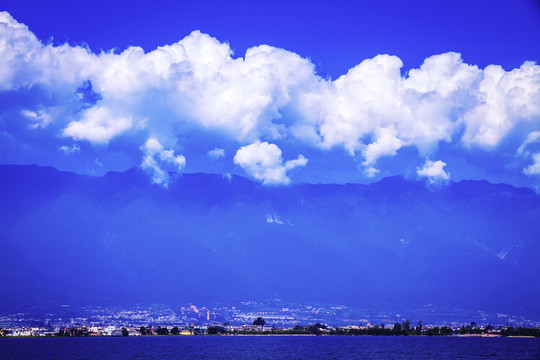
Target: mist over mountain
{"points": [[68, 238]]}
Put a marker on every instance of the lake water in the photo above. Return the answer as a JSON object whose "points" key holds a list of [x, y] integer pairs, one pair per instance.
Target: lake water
{"points": [[270, 347]]}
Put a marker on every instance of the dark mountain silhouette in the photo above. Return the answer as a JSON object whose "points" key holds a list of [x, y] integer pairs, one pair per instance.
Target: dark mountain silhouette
{"points": [[67, 238]]}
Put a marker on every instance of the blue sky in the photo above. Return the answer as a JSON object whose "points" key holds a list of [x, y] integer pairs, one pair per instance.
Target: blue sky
{"points": [[337, 91]]}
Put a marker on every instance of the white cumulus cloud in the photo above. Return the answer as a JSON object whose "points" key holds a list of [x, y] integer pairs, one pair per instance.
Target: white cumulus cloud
{"points": [[38, 119], [69, 150], [371, 171], [434, 172], [386, 143], [532, 138], [263, 162], [216, 153], [503, 99], [534, 168], [98, 125], [157, 162], [196, 87]]}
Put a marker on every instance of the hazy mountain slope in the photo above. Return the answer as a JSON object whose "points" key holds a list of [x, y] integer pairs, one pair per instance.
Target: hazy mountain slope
{"points": [[117, 238]]}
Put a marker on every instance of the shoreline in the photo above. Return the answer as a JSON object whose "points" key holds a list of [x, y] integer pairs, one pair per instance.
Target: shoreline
{"points": [[273, 335]]}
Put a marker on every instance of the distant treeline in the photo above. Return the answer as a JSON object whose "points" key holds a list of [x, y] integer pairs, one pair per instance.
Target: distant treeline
{"points": [[258, 328], [403, 329]]}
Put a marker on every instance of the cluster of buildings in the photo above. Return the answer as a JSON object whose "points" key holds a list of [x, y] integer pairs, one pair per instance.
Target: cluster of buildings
{"points": [[62, 331], [246, 329], [84, 330], [192, 319]]}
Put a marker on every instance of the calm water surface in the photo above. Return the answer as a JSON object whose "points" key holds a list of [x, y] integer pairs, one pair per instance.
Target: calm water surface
{"points": [[270, 347]]}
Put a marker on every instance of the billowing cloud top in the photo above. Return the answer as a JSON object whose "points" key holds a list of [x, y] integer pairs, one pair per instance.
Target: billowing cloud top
{"points": [[195, 97]]}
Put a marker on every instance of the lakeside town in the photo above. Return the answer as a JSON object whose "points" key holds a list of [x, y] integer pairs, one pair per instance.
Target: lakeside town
{"points": [[259, 327], [273, 317]]}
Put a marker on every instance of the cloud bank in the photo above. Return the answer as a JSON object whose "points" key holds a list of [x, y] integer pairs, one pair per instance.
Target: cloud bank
{"points": [[195, 88]]}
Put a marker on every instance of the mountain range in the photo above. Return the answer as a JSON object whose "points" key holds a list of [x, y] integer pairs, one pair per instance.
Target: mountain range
{"points": [[69, 238]]}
